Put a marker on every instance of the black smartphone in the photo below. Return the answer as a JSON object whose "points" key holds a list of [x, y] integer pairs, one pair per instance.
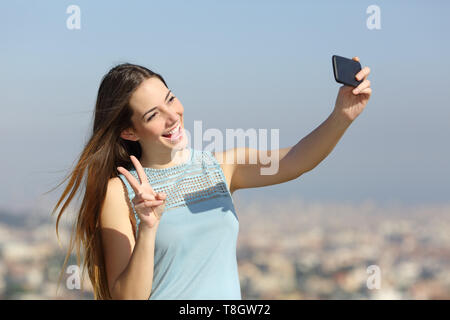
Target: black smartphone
{"points": [[345, 70]]}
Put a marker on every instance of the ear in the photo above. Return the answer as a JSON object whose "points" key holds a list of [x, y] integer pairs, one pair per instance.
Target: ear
{"points": [[128, 134]]}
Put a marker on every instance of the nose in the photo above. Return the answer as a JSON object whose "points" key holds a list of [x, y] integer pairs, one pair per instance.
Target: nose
{"points": [[172, 116]]}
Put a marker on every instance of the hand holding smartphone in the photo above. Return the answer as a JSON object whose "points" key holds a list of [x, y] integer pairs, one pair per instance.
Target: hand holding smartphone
{"points": [[345, 70]]}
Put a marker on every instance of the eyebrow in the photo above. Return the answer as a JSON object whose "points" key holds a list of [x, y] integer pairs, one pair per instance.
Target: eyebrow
{"points": [[156, 106]]}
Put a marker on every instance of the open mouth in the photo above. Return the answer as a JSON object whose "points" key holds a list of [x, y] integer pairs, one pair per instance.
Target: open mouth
{"points": [[175, 134]]}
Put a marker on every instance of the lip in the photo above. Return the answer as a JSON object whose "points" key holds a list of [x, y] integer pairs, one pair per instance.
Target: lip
{"points": [[179, 134], [178, 123]]}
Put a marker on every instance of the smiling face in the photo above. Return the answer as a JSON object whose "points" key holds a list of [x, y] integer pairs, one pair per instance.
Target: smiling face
{"points": [[156, 112]]}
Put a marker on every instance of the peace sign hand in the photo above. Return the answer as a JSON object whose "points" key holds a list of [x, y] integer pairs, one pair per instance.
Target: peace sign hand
{"points": [[148, 204]]}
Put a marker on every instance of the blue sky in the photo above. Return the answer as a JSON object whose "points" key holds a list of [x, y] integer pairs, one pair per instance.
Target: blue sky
{"points": [[235, 64]]}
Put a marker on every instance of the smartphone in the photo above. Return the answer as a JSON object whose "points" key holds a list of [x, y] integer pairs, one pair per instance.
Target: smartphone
{"points": [[345, 70]]}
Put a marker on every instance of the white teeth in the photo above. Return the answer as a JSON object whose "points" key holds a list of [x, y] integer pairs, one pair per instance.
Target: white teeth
{"points": [[174, 130]]}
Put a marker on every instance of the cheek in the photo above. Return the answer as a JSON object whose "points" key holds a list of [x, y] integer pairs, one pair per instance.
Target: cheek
{"points": [[153, 128]]}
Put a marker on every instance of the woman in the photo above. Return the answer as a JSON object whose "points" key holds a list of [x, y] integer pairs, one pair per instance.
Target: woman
{"points": [[157, 219]]}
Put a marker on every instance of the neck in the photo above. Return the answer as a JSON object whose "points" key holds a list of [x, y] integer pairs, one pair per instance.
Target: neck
{"points": [[164, 159]]}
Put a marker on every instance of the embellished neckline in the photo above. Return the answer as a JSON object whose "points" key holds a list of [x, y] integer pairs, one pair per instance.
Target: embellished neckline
{"points": [[177, 166]]}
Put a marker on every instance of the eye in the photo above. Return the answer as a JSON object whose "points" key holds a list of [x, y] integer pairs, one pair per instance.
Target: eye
{"points": [[170, 101], [152, 116]]}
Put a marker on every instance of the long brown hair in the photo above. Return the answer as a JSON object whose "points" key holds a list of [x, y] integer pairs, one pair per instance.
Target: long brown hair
{"points": [[102, 154]]}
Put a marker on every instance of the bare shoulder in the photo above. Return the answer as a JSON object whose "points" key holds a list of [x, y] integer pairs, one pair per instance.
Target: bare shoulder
{"points": [[115, 205], [115, 210]]}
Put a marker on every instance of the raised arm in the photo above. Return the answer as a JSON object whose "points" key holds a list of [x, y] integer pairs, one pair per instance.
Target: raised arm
{"points": [[308, 152]]}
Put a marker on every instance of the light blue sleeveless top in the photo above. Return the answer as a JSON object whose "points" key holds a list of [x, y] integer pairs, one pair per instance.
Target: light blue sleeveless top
{"points": [[195, 247]]}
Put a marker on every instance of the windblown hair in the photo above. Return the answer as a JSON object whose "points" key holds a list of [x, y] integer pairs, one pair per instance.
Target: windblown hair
{"points": [[102, 154]]}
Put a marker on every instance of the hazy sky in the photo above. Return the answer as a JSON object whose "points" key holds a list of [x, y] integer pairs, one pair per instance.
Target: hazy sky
{"points": [[235, 64]]}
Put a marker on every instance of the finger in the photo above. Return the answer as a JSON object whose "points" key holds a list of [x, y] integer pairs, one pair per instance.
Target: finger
{"points": [[140, 171], [141, 197], [148, 204], [363, 73], [147, 196], [367, 90], [131, 179], [153, 203], [355, 58], [361, 86], [161, 195]]}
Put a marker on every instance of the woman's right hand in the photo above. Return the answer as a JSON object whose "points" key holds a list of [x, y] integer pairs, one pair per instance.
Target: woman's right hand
{"points": [[148, 204]]}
